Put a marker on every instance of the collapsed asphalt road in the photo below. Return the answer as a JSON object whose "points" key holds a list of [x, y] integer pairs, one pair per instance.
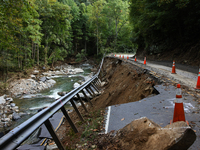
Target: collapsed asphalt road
{"points": [[160, 108]]}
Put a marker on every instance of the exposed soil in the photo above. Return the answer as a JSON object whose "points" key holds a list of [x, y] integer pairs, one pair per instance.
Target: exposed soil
{"points": [[124, 83]]}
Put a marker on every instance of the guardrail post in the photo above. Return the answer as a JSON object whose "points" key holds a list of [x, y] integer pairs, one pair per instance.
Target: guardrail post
{"points": [[96, 83], [95, 87], [91, 90], [76, 109], [69, 119], [87, 97], [83, 105], [53, 134]]}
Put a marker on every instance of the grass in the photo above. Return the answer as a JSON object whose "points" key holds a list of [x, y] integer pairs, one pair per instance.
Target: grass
{"points": [[88, 131]]}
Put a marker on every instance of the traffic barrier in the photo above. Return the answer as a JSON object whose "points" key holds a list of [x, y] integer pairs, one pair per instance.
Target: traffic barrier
{"points": [[144, 60], [135, 58], [198, 81], [179, 114], [173, 67]]}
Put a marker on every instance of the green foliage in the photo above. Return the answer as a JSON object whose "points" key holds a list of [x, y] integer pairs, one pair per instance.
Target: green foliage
{"points": [[160, 25], [81, 56], [35, 32]]}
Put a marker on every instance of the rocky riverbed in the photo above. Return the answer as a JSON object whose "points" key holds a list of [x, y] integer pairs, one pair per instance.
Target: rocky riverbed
{"points": [[38, 81]]}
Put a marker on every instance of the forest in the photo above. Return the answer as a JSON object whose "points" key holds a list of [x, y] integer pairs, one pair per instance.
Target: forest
{"points": [[41, 32]]}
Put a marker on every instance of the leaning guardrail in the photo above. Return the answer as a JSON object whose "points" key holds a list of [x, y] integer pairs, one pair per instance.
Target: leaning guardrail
{"points": [[18, 135]]}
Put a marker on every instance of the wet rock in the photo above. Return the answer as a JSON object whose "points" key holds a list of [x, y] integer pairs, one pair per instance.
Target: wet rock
{"points": [[61, 93], [78, 70], [15, 116]]}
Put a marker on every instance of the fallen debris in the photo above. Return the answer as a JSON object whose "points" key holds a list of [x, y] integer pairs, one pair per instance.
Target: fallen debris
{"points": [[144, 134]]}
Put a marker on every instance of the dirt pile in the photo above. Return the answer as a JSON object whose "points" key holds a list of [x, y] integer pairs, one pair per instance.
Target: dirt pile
{"points": [[144, 134]]}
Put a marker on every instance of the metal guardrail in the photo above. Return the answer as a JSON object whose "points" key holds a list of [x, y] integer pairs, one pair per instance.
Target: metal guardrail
{"points": [[18, 135]]}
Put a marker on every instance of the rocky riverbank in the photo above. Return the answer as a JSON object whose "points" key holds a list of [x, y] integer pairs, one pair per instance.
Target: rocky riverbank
{"points": [[39, 81], [8, 112]]}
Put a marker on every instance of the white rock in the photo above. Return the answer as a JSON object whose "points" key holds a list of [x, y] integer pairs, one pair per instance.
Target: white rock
{"points": [[12, 104], [78, 70], [76, 85], [36, 72], [7, 119], [2, 100], [33, 76]]}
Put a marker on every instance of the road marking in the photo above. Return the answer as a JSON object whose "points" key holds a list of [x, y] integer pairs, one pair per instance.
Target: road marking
{"points": [[108, 119]]}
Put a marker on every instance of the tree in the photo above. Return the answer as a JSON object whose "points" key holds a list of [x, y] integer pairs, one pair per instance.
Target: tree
{"points": [[55, 27], [95, 16]]}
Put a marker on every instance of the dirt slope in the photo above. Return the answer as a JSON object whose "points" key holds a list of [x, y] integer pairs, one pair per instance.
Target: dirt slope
{"points": [[124, 83]]}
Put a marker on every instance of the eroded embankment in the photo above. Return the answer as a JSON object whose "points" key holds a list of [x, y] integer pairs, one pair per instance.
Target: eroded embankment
{"points": [[124, 83]]}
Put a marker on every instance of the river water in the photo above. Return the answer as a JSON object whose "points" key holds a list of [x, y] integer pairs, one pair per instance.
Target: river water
{"points": [[30, 104]]}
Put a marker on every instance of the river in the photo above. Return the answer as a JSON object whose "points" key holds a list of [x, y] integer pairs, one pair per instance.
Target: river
{"points": [[30, 104]]}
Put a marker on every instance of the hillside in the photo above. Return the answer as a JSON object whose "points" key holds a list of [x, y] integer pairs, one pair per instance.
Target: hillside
{"points": [[188, 54]]}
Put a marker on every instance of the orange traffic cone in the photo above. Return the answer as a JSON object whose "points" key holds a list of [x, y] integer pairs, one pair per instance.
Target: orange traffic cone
{"points": [[120, 56], [179, 114], [173, 67], [123, 56], [127, 57], [144, 60], [115, 55], [135, 58], [198, 81]]}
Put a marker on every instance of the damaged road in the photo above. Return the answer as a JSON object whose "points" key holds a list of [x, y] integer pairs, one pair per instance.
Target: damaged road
{"points": [[130, 92]]}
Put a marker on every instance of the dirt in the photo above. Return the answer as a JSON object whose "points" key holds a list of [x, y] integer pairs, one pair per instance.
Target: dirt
{"points": [[123, 83]]}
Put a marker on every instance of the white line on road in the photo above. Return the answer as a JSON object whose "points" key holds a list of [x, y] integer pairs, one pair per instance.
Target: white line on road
{"points": [[107, 121]]}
